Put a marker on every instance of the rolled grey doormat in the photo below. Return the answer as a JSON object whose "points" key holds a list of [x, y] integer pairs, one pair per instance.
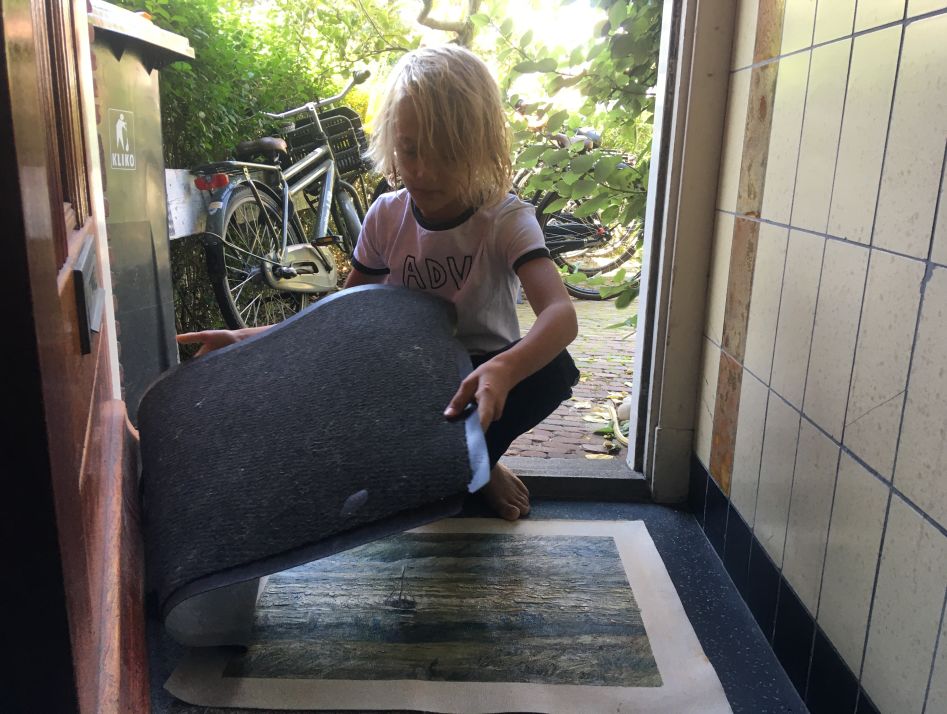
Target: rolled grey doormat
{"points": [[323, 433]]}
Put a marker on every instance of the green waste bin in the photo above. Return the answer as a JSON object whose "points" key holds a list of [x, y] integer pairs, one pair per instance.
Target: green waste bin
{"points": [[128, 52]]}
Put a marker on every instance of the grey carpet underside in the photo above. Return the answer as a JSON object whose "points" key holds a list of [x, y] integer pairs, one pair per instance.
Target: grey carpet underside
{"points": [[323, 433]]}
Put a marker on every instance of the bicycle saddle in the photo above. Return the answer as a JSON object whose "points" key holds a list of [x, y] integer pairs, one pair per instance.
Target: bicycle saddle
{"points": [[269, 146], [320, 434]]}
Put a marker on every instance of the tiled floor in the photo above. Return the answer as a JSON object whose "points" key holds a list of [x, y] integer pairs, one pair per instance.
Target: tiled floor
{"points": [[750, 674]]}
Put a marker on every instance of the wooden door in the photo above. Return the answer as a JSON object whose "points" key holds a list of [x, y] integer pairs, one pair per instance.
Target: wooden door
{"points": [[72, 581]]}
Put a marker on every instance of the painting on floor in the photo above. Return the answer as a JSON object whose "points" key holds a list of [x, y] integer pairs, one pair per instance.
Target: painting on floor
{"points": [[465, 615]]}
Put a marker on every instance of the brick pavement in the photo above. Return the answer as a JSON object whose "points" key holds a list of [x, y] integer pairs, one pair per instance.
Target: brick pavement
{"points": [[604, 357]]}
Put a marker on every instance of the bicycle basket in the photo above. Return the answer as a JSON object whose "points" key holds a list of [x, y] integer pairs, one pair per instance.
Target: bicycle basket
{"points": [[342, 129]]}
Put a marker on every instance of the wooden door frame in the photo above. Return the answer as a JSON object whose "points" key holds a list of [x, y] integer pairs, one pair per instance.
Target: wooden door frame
{"points": [[678, 239], [74, 600]]}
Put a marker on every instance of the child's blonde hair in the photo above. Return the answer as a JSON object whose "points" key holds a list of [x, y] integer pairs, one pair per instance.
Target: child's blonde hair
{"points": [[461, 120]]}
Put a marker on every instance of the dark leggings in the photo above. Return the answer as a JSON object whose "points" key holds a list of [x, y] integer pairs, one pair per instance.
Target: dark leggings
{"points": [[530, 401]]}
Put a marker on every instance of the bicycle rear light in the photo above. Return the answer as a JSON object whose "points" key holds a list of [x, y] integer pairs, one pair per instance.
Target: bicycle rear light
{"points": [[206, 183]]}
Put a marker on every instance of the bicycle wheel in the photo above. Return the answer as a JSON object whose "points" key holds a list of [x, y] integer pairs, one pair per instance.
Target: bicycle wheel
{"points": [[584, 244], [236, 265]]}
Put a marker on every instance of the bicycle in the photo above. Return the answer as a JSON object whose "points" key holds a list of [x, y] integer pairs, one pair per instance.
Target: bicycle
{"points": [[585, 245], [283, 215]]}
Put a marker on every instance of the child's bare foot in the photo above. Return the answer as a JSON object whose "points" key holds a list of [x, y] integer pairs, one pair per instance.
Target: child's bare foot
{"points": [[507, 495]]}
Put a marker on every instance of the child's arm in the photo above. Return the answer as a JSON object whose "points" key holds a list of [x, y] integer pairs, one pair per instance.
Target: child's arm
{"points": [[555, 327], [211, 340], [357, 277]]}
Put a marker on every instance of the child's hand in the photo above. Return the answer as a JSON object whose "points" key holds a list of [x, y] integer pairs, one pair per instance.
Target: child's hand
{"points": [[209, 340], [488, 386]]}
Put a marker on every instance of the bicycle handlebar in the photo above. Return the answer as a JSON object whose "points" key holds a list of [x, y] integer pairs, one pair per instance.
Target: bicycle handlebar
{"points": [[357, 78]]}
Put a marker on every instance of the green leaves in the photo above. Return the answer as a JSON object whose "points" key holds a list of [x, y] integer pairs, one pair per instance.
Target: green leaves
{"points": [[556, 205], [547, 64], [531, 155], [247, 63], [555, 156], [593, 205], [605, 167], [480, 19], [581, 164], [585, 187], [617, 14], [555, 120]]}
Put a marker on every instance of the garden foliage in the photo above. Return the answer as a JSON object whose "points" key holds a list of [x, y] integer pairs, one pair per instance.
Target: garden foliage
{"points": [[269, 55]]}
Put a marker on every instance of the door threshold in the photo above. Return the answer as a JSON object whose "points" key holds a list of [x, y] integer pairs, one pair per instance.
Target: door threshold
{"points": [[580, 479]]}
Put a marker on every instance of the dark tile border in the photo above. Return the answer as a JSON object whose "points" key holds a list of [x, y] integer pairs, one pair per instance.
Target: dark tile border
{"points": [[832, 686], [697, 491], [736, 557], [763, 588], [865, 705], [715, 518], [813, 665], [792, 637]]}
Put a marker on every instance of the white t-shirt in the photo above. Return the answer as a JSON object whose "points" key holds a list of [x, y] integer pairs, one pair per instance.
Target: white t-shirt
{"points": [[471, 261]]}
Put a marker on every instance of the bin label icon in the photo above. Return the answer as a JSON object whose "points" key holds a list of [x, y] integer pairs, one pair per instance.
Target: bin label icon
{"points": [[122, 139]]}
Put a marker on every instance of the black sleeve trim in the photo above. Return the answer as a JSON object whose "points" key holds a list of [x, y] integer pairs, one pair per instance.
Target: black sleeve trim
{"points": [[531, 255], [369, 271]]}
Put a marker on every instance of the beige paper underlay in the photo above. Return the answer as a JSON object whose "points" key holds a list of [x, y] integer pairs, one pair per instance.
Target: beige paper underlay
{"points": [[690, 684]]}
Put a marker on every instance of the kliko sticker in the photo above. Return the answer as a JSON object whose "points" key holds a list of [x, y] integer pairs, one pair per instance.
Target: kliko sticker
{"points": [[122, 139]]}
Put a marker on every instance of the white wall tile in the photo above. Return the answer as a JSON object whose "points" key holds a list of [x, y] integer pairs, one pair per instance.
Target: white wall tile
{"points": [[809, 511], [861, 148], [796, 315], [852, 554], [710, 366], [744, 33], [906, 612], [872, 13], [798, 22], [910, 181], [939, 249], [719, 274], [828, 74], [937, 697], [764, 299], [922, 455], [748, 447], [733, 134], [919, 7], [882, 354], [779, 449], [833, 340], [783, 149], [834, 19]]}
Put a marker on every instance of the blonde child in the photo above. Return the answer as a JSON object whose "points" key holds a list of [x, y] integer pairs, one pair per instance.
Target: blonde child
{"points": [[456, 232]]}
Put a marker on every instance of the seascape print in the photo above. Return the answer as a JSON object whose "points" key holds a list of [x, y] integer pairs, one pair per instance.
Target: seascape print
{"points": [[456, 607]]}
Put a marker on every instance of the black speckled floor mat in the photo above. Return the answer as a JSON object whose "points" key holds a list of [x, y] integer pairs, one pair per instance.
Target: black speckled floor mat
{"points": [[323, 433]]}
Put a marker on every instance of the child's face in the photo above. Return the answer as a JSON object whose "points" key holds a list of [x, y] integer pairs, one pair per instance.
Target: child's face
{"points": [[433, 189]]}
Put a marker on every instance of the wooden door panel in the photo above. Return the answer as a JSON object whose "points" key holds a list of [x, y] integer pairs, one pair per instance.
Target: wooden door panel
{"points": [[74, 519]]}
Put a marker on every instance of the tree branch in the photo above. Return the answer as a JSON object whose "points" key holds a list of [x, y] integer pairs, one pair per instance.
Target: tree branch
{"points": [[371, 20], [464, 28]]}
